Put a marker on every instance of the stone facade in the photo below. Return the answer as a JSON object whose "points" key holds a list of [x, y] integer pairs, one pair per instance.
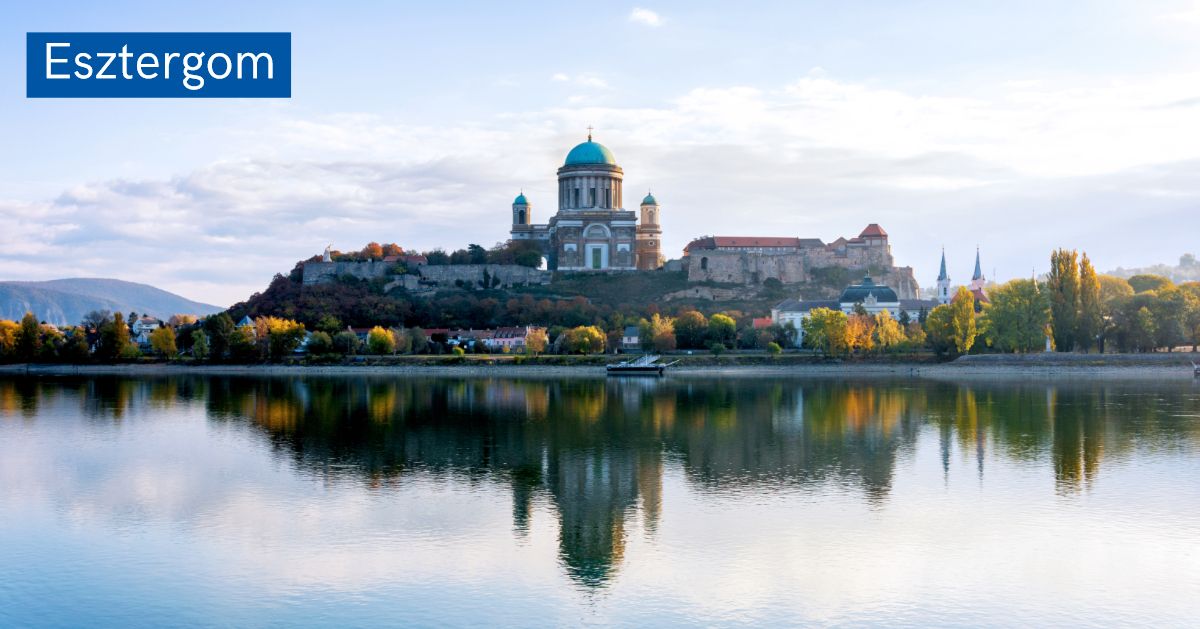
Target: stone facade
{"points": [[747, 260]]}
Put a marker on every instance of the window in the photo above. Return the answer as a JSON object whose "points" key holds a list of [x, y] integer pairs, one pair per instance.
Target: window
{"points": [[520, 217], [591, 197], [576, 198], [608, 199], [703, 264]]}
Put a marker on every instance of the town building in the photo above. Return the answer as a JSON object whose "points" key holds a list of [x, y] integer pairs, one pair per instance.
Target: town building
{"points": [[592, 231], [871, 297], [631, 339], [141, 329]]}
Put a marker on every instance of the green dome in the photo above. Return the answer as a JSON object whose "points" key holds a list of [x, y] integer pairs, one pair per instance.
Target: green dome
{"points": [[521, 200], [649, 200], [590, 153]]}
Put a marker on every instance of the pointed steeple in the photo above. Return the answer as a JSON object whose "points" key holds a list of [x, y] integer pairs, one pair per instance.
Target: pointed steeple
{"points": [[942, 273], [978, 271]]}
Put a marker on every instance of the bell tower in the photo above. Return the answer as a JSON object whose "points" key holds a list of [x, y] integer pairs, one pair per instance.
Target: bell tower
{"points": [[649, 235], [943, 283], [521, 209]]}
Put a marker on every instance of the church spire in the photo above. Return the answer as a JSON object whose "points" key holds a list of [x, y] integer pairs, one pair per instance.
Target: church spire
{"points": [[978, 271], [942, 273]]}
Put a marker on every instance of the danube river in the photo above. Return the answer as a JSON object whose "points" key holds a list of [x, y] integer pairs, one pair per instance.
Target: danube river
{"points": [[550, 502]]}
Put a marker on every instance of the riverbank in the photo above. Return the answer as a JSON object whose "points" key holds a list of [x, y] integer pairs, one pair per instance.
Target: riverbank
{"points": [[1158, 366]]}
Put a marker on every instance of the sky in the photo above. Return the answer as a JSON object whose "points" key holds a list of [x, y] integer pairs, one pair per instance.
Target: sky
{"points": [[1015, 127]]}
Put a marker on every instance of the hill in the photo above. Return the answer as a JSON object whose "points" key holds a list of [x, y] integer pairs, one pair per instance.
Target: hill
{"points": [[66, 301]]}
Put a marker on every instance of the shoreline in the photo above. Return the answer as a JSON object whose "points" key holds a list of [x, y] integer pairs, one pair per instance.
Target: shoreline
{"points": [[1030, 366]]}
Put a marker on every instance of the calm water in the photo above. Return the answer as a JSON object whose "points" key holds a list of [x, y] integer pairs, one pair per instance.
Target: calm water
{"points": [[235, 502]]}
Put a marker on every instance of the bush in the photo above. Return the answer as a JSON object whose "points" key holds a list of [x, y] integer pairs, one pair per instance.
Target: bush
{"points": [[717, 348], [381, 341], [320, 343], [774, 349], [458, 352], [345, 342]]}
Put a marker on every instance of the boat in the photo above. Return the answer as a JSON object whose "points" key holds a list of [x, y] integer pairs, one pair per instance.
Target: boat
{"points": [[647, 365]]}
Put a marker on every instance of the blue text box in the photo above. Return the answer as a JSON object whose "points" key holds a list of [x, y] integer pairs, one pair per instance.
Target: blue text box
{"points": [[158, 65]]}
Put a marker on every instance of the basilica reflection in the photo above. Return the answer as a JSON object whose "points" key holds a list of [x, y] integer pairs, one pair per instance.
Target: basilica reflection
{"points": [[596, 450]]}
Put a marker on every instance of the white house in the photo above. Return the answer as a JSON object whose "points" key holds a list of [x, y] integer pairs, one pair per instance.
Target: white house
{"points": [[874, 298]]}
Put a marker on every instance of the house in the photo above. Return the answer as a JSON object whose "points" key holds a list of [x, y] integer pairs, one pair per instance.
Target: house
{"points": [[141, 329], [512, 339], [246, 320], [871, 297], [761, 323], [631, 339]]}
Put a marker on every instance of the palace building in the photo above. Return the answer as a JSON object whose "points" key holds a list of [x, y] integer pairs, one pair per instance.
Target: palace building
{"points": [[592, 231]]}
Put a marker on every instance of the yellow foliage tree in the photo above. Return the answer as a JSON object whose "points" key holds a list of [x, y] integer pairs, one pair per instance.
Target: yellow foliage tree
{"points": [[536, 341], [888, 333], [163, 342]]}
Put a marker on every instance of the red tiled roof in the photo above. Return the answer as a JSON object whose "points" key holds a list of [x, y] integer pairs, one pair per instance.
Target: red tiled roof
{"points": [[873, 231], [761, 322]]}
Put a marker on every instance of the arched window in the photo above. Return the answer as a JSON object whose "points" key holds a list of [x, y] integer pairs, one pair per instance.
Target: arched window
{"points": [[520, 217], [703, 264], [596, 231]]}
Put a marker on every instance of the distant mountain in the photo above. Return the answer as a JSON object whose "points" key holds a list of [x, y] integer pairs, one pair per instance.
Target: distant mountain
{"points": [[65, 302]]}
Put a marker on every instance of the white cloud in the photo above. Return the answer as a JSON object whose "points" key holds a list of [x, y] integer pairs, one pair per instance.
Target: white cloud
{"points": [[645, 16], [1018, 167]]}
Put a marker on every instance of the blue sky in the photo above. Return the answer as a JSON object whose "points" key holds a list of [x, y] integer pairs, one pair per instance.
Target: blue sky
{"points": [[1017, 126]]}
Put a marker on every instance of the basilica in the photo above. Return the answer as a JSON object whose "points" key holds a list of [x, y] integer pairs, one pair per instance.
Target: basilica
{"points": [[592, 230]]}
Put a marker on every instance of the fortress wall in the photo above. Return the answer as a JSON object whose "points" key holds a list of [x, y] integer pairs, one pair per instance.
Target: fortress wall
{"points": [[738, 267], [508, 274], [443, 275]]}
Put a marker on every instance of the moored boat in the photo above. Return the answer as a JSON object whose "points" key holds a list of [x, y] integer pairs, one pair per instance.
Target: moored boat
{"points": [[647, 365]]}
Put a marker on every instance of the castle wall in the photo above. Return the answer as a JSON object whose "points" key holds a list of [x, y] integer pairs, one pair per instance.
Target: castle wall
{"points": [[741, 267], [426, 275]]}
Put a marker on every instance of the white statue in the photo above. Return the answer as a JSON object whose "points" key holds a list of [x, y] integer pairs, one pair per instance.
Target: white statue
{"points": [[328, 257]]}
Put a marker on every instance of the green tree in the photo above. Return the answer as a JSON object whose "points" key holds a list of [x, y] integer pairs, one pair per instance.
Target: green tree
{"points": [[29, 338], [76, 347], [1063, 284], [114, 339], [1171, 309], [826, 330], [691, 330], [1113, 288], [162, 341], [1017, 318], [585, 339], [722, 329], [1147, 282], [200, 349], [320, 343], [962, 320], [1091, 315], [774, 349], [939, 329], [380, 341], [242, 344], [345, 342], [220, 331], [1144, 330]]}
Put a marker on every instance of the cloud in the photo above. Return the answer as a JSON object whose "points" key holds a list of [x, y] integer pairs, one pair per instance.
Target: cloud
{"points": [[584, 80], [645, 16], [1020, 168]]}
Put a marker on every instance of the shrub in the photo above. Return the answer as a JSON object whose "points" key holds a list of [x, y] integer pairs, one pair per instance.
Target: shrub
{"points": [[774, 349]]}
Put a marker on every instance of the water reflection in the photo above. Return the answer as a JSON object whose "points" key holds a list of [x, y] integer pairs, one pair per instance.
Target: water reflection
{"points": [[596, 449]]}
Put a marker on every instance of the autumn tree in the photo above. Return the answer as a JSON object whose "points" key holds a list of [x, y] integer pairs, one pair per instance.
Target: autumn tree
{"points": [[888, 333], [962, 320], [380, 341], [162, 341], [1091, 316], [585, 339], [860, 328], [536, 341], [114, 338], [826, 330], [219, 328]]}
